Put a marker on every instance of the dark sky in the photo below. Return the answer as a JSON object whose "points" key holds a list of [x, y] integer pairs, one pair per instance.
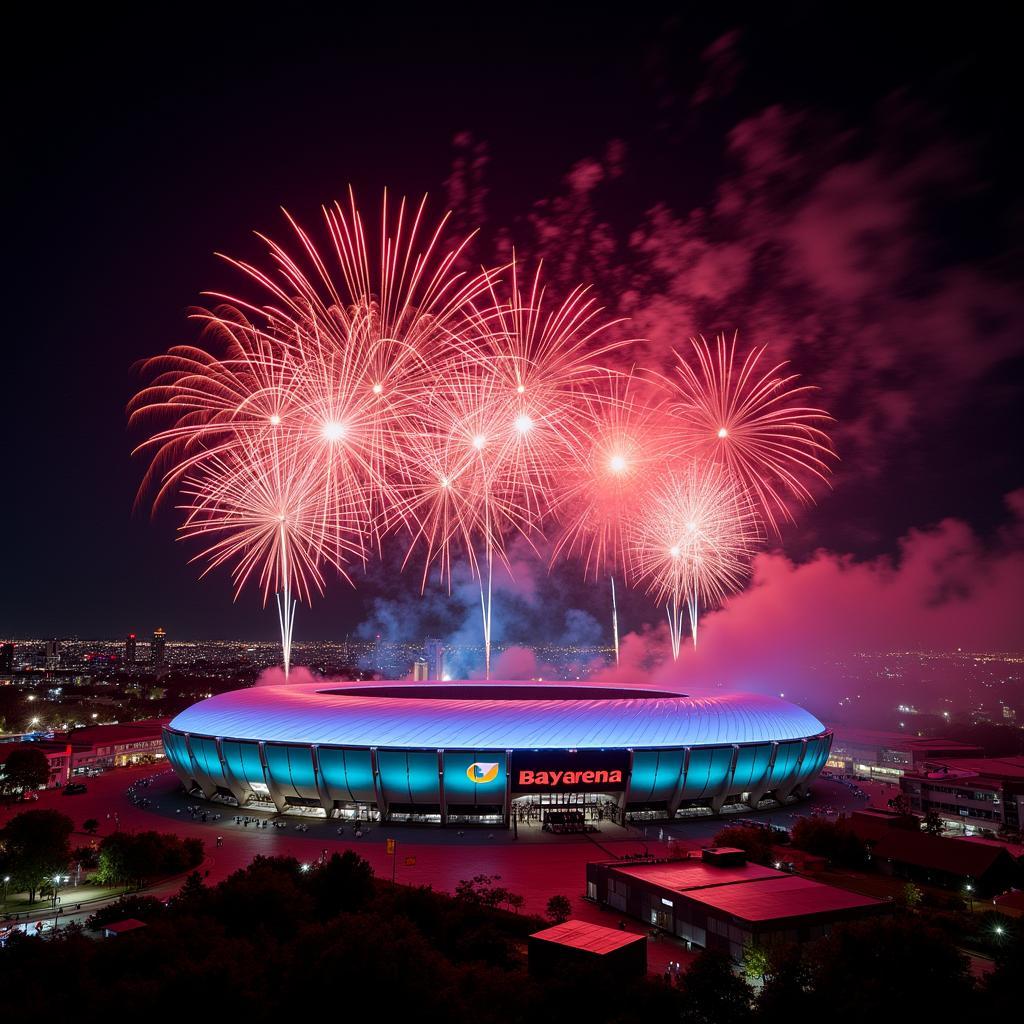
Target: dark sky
{"points": [[842, 184]]}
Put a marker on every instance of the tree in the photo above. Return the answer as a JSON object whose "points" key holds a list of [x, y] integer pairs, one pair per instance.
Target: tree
{"points": [[343, 884], [481, 890], [134, 859], [91, 826], [559, 909], [35, 847], [860, 972], [900, 803], [714, 993], [757, 843], [834, 840], [785, 986], [912, 896], [142, 908], [25, 768], [756, 961], [933, 823]]}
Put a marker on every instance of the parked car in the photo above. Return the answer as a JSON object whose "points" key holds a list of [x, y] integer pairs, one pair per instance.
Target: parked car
{"points": [[74, 788]]}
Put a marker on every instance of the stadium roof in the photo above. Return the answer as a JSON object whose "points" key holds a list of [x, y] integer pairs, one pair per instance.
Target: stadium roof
{"points": [[495, 715]]}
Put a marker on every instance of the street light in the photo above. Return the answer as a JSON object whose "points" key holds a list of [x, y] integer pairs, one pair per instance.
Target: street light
{"points": [[7, 880]]}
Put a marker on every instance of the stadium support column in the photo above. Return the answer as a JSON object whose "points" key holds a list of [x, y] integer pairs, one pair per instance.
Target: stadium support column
{"points": [[378, 789], [275, 794], [440, 788], [718, 800], [201, 779], [758, 790], [507, 812], [677, 795], [321, 790], [238, 791], [790, 786]]}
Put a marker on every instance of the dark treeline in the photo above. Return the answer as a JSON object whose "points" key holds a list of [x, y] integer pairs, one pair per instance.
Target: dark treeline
{"points": [[275, 939]]}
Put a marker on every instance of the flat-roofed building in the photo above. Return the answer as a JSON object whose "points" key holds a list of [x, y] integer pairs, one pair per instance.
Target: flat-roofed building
{"points": [[580, 943], [978, 794], [97, 748], [728, 906], [887, 756]]}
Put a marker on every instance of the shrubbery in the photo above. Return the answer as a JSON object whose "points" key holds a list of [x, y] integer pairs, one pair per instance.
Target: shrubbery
{"points": [[133, 859]]}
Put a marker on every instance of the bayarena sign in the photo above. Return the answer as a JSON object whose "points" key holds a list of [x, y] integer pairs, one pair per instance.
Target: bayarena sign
{"points": [[464, 752], [565, 771]]}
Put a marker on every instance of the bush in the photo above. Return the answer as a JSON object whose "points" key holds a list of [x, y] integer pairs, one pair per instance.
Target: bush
{"points": [[757, 843], [142, 908], [133, 859], [834, 840]]}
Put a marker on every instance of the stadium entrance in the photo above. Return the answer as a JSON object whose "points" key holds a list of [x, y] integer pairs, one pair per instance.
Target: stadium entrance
{"points": [[565, 812]]}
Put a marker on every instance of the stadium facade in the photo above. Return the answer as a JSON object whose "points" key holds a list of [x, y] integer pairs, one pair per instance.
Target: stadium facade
{"points": [[462, 753]]}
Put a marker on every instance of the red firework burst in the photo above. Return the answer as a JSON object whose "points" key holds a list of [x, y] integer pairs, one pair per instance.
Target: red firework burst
{"points": [[693, 541], [750, 417]]}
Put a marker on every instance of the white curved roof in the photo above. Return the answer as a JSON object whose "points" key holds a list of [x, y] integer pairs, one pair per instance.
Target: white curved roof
{"points": [[312, 713]]}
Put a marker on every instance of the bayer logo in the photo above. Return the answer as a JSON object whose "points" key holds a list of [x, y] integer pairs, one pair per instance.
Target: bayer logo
{"points": [[483, 771]]}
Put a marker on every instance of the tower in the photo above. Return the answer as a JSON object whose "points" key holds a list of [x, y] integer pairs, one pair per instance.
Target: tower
{"points": [[129, 649], [434, 650], [52, 655], [158, 645]]}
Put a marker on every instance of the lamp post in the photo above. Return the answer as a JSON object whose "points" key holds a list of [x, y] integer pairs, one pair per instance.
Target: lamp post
{"points": [[57, 879], [7, 882], [969, 889]]}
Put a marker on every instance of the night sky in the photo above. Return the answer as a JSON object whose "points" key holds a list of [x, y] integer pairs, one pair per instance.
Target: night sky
{"points": [[844, 188]]}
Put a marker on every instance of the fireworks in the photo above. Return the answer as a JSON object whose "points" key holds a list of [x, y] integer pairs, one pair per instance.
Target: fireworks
{"points": [[752, 421], [376, 391], [693, 541]]}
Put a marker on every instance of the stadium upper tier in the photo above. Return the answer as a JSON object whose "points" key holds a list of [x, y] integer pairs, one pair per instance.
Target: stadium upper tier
{"points": [[495, 715]]}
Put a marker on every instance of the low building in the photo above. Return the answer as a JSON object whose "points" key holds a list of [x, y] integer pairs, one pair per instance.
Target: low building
{"points": [[724, 902], [573, 944], [129, 924], [58, 758], [96, 748], [887, 756], [973, 869], [984, 794]]}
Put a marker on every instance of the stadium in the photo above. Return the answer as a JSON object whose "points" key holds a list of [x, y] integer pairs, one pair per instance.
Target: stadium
{"points": [[472, 753]]}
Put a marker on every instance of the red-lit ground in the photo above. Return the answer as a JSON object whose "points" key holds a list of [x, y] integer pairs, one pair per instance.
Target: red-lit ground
{"points": [[537, 865]]}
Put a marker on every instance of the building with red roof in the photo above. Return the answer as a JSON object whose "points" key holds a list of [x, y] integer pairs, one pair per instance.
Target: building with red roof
{"points": [[575, 943], [725, 906]]}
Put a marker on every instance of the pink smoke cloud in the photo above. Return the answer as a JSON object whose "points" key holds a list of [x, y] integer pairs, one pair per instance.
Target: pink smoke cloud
{"points": [[945, 590]]}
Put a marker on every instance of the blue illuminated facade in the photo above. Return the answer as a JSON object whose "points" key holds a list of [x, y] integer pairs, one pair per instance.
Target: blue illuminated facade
{"points": [[458, 752]]}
